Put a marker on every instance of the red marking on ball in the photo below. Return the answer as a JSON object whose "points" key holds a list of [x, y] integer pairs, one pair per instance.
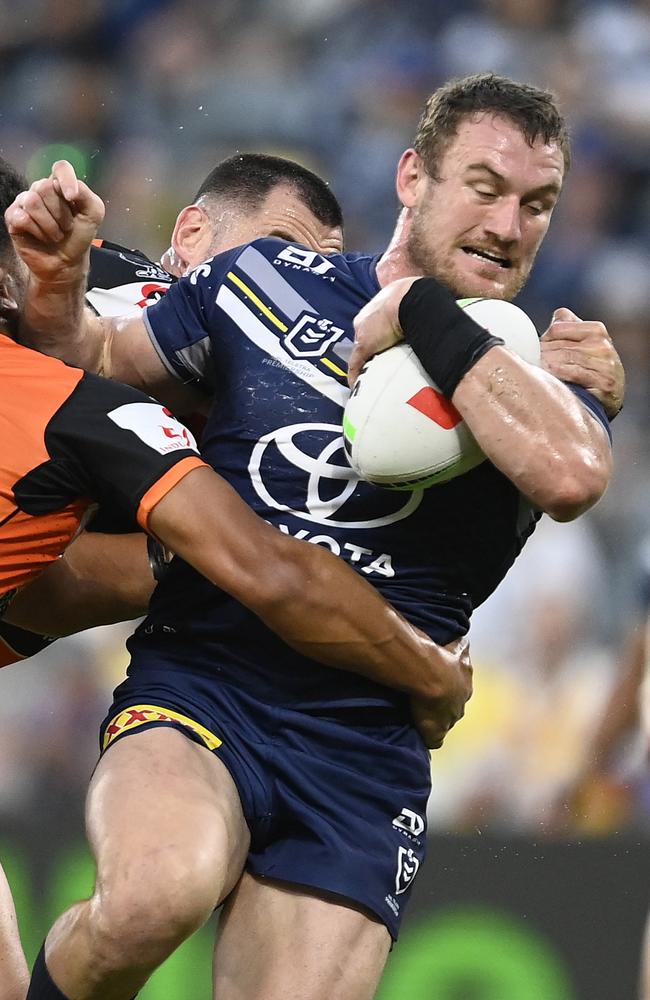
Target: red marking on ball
{"points": [[434, 406]]}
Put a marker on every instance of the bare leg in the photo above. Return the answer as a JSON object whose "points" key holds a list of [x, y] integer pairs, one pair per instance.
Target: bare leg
{"points": [[166, 827], [278, 943], [14, 974]]}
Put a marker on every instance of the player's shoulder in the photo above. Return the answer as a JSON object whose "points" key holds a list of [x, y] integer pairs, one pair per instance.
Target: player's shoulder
{"points": [[282, 275], [301, 256], [300, 264]]}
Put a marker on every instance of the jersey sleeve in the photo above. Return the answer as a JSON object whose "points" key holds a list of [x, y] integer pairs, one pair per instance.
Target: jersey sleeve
{"points": [[118, 447], [181, 323], [594, 406]]}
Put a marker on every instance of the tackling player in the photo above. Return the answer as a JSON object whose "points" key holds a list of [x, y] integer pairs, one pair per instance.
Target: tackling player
{"points": [[323, 775], [244, 197]]}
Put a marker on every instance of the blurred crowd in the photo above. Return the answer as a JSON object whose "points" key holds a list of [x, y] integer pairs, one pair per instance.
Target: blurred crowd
{"points": [[145, 96]]}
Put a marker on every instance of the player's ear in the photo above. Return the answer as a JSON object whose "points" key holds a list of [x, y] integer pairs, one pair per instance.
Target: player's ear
{"points": [[8, 302], [409, 179], [189, 235]]}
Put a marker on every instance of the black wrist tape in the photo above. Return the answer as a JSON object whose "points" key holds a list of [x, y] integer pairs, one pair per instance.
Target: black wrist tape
{"points": [[446, 340]]}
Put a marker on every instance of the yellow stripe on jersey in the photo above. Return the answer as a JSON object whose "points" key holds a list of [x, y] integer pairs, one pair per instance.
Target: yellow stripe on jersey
{"points": [[139, 715], [335, 368], [249, 293]]}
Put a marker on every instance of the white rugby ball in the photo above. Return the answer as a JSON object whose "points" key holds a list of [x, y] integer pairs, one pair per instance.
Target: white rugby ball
{"points": [[400, 431]]}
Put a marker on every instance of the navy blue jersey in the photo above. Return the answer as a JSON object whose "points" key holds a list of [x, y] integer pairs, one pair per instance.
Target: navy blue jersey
{"points": [[268, 328]]}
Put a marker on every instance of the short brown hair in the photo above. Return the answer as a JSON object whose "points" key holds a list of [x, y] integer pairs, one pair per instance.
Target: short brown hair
{"points": [[532, 110]]}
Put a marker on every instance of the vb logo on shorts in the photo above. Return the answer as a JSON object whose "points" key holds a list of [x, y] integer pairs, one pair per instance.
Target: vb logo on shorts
{"points": [[407, 869]]}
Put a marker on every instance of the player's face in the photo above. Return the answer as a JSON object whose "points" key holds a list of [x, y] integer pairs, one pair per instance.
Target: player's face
{"points": [[282, 213], [479, 227]]}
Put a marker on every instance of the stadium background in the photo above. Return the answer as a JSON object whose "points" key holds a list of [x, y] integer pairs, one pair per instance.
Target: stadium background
{"points": [[145, 96]]}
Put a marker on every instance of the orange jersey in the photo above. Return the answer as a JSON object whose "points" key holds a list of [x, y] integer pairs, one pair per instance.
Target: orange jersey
{"points": [[70, 439]]}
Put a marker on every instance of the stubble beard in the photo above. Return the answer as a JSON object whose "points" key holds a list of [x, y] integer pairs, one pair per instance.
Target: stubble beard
{"points": [[430, 262], [424, 257]]}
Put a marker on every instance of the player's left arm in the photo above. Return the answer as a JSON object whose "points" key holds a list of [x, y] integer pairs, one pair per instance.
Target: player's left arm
{"points": [[537, 432], [555, 449], [100, 579]]}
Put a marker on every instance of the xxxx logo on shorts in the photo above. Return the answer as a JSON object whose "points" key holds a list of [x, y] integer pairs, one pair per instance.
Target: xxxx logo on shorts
{"points": [[141, 715]]}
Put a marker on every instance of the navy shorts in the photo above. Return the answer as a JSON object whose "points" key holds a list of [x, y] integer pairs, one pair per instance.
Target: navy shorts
{"points": [[334, 801]]}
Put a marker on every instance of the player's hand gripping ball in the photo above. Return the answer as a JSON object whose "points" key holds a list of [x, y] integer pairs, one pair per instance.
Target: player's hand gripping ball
{"points": [[400, 431]]}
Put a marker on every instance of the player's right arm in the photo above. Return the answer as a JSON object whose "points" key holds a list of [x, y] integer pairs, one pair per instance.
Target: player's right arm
{"points": [[311, 598], [301, 591], [125, 451]]}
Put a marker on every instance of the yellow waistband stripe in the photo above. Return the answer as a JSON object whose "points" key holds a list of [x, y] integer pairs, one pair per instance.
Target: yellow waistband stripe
{"points": [[139, 715]]}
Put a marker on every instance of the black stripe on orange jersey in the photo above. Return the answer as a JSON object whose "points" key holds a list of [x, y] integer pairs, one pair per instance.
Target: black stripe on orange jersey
{"points": [[86, 439], [92, 455]]}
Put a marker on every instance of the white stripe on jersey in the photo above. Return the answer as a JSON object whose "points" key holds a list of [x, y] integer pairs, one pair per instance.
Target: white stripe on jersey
{"points": [[268, 342]]}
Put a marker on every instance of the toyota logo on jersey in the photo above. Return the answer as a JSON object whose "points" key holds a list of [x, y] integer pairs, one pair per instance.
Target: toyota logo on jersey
{"points": [[302, 470]]}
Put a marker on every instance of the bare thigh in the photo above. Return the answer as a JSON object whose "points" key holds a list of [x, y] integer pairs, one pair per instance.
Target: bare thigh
{"points": [[280, 943], [167, 830], [157, 801]]}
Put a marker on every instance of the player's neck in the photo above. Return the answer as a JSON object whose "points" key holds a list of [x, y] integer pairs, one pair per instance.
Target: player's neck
{"points": [[396, 261]]}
